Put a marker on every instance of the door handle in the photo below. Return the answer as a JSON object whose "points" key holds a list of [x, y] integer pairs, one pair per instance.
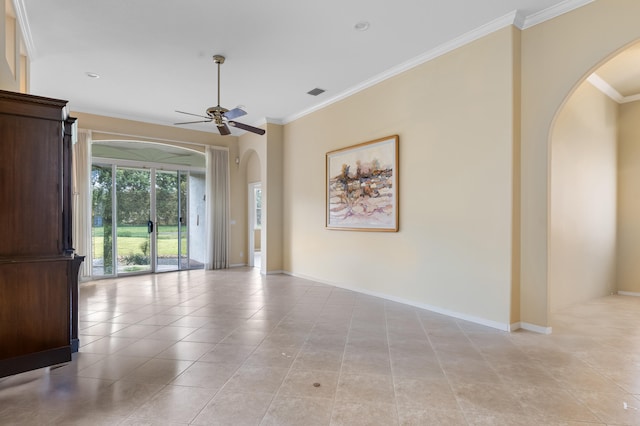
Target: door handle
{"points": [[149, 227]]}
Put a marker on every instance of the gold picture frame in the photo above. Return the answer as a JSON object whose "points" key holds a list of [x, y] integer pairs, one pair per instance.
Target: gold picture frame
{"points": [[362, 186]]}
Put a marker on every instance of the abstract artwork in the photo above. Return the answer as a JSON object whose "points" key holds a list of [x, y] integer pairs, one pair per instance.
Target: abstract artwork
{"points": [[362, 186]]}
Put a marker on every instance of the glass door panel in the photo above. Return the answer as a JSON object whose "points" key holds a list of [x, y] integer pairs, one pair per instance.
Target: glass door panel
{"points": [[183, 219], [134, 223], [167, 220], [101, 220], [196, 220]]}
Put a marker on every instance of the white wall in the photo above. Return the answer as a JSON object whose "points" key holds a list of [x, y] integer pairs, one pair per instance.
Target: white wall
{"points": [[583, 188]]}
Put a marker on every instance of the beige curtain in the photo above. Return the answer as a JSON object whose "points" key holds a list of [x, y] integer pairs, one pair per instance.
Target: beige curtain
{"points": [[81, 218], [217, 206]]}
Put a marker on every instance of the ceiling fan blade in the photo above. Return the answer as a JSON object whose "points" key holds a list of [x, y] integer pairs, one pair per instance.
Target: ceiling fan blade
{"points": [[192, 122], [247, 127], [224, 130], [190, 113], [234, 113]]}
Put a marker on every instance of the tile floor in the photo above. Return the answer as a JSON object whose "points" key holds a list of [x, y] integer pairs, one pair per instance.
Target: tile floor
{"points": [[233, 348]]}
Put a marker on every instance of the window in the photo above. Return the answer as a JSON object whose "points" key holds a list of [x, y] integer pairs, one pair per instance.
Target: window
{"points": [[257, 196]]}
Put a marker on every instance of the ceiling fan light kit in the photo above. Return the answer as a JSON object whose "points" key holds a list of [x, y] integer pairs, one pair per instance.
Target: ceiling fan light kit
{"points": [[222, 117]]}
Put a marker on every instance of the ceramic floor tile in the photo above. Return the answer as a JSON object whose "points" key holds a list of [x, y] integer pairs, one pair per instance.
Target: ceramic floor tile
{"points": [[228, 354], [270, 356], [102, 329], [205, 375], [294, 411], [348, 413], [366, 388], [482, 398], [363, 362], [160, 371], [417, 394], [235, 409], [186, 351], [137, 331], [108, 345], [113, 367], [318, 359], [257, 379], [310, 384], [175, 404], [421, 417], [145, 348], [119, 400]]}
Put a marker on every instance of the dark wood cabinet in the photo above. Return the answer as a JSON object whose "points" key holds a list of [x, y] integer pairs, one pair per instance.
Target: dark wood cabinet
{"points": [[38, 267]]}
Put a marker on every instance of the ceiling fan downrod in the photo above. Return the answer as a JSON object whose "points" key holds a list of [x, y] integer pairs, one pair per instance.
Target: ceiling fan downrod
{"points": [[218, 59]]}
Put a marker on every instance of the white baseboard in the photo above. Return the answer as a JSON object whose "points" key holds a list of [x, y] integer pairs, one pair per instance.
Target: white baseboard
{"points": [[628, 293], [477, 320], [530, 327]]}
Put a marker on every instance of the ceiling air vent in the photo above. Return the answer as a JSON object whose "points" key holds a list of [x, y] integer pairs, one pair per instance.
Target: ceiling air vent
{"points": [[315, 92]]}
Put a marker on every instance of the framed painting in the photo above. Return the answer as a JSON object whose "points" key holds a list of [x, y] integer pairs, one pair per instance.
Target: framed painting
{"points": [[362, 186]]}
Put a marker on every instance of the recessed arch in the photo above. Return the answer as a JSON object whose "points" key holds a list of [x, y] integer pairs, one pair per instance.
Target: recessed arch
{"points": [[584, 196]]}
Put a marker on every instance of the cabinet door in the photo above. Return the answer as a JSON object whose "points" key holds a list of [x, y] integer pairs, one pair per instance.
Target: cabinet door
{"points": [[34, 315], [30, 187]]}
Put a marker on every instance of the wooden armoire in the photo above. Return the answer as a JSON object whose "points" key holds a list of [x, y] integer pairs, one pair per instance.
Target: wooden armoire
{"points": [[38, 266]]}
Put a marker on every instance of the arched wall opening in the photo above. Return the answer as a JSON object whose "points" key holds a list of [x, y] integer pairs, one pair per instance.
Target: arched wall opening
{"points": [[253, 174], [594, 163]]}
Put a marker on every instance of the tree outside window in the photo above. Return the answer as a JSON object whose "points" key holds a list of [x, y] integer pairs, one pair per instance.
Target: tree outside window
{"points": [[257, 194]]}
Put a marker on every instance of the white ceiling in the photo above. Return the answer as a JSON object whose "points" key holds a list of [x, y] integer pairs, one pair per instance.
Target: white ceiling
{"points": [[155, 56]]}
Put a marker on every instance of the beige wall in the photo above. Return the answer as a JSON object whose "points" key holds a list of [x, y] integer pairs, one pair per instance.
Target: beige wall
{"points": [[583, 194], [254, 176], [261, 161], [556, 56], [628, 200], [10, 65], [453, 250]]}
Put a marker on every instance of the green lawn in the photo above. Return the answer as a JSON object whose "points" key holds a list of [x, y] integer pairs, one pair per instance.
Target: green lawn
{"points": [[131, 238]]}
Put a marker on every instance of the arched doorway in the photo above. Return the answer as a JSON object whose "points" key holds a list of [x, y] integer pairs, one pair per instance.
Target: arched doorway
{"points": [[594, 217], [254, 209]]}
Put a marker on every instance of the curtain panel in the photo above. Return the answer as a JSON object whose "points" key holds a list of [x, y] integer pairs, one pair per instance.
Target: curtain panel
{"points": [[81, 182], [217, 206]]}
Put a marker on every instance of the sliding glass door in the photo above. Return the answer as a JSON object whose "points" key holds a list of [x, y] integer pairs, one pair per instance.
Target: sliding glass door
{"points": [[151, 219], [134, 223], [171, 220]]}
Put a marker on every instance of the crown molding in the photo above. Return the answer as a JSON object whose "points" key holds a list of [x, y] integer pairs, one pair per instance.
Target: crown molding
{"points": [[444, 48], [552, 12], [23, 21], [515, 18], [597, 82], [600, 84]]}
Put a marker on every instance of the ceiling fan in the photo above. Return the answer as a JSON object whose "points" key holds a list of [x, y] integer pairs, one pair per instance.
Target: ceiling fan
{"points": [[222, 117]]}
